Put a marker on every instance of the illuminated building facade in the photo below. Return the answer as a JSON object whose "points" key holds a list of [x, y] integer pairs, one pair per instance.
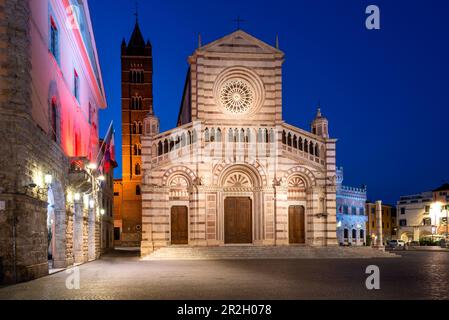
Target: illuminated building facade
{"points": [[137, 102], [351, 215], [233, 171], [424, 216], [51, 95]]}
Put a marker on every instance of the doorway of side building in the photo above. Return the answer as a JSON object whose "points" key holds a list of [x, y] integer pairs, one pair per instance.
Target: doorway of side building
{"points": [[238, 221], [179, 225], [51, 229], [296, 225]]}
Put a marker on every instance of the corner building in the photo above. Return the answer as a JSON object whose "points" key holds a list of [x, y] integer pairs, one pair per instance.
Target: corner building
{"points": [[50, 99], [233, 172]]}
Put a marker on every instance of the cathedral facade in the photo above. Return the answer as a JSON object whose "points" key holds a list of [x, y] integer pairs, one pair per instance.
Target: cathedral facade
{"points": [[233, 172]]}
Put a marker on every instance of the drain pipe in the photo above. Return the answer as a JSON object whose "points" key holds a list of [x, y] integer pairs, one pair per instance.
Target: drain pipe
{"points": [[14, 246]]}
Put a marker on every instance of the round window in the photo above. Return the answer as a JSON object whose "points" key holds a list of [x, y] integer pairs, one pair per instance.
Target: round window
{"points": [[237, 96]]}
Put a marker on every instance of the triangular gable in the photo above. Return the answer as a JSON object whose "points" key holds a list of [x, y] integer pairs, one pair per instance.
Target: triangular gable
{"points": [[239, 42]]}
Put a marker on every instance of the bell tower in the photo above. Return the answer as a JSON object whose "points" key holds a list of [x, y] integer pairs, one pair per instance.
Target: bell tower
{"points": [[137, 103], [320, 125]]}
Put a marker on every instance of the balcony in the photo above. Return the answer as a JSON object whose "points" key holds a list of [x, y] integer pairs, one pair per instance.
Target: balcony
{"points": [[79, 178], [212, 143]]}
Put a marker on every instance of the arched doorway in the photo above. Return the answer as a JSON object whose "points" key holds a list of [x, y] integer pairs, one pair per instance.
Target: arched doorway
{"points": [[296, 225], [179, 225], [240, 204], [56, 226], [238, 220]]}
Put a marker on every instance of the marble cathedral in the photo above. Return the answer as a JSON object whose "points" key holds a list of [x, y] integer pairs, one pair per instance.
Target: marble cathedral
{"points": [[233, 171]]}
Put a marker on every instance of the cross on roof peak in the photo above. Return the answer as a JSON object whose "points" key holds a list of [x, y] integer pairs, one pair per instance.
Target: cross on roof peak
{"points": [[239, 22], [137, 11]]}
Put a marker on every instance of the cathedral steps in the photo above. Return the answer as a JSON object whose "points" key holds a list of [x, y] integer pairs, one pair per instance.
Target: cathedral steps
{"points": [[259, 252]]}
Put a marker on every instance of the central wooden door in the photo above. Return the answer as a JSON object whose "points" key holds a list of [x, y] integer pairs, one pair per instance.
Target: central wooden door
{"points": [[296, 225], [179, 225], [238, 221]]}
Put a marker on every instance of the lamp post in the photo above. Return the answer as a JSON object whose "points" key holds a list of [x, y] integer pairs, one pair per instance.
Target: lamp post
{"points": [[447, 223]]}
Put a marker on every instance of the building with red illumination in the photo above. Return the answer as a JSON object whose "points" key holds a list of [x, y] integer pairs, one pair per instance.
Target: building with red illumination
{"points": [[50, 160]]}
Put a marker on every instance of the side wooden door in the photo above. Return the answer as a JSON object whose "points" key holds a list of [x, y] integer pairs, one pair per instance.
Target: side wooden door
{"points": [[179, 225]]}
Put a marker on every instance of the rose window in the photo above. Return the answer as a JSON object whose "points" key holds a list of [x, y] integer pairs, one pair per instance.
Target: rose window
{"points": [[237, 96]]}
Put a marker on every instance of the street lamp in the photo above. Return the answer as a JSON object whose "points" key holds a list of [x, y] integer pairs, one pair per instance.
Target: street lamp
{"points": [[435, 212], [48, 179], [92, 166]]}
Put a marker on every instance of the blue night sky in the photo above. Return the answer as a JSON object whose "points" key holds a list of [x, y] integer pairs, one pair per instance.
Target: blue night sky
{"points": [[385, 93]]}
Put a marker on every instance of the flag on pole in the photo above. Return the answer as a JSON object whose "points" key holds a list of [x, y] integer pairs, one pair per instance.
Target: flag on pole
{"points": [[106, 155]]}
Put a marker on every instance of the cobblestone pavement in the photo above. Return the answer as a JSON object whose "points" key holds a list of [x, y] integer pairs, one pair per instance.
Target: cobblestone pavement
{"points": [[417, 275]]}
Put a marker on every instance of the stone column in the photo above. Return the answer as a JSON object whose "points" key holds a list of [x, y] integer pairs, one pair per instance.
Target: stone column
{"points": [[78, 233], [281, 216], [91, 235], [379, 234], [59, 255]]}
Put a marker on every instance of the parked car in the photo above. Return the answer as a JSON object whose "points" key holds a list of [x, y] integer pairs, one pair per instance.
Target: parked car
{"points": [[396, 244]]}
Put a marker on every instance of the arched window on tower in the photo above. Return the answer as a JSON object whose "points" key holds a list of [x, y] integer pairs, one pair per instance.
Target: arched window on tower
{"points": [[137, 169], [134, 128], [140, 128], [136, 103], [138, 191], [218, 135], [137, 76], [141, 76]]}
